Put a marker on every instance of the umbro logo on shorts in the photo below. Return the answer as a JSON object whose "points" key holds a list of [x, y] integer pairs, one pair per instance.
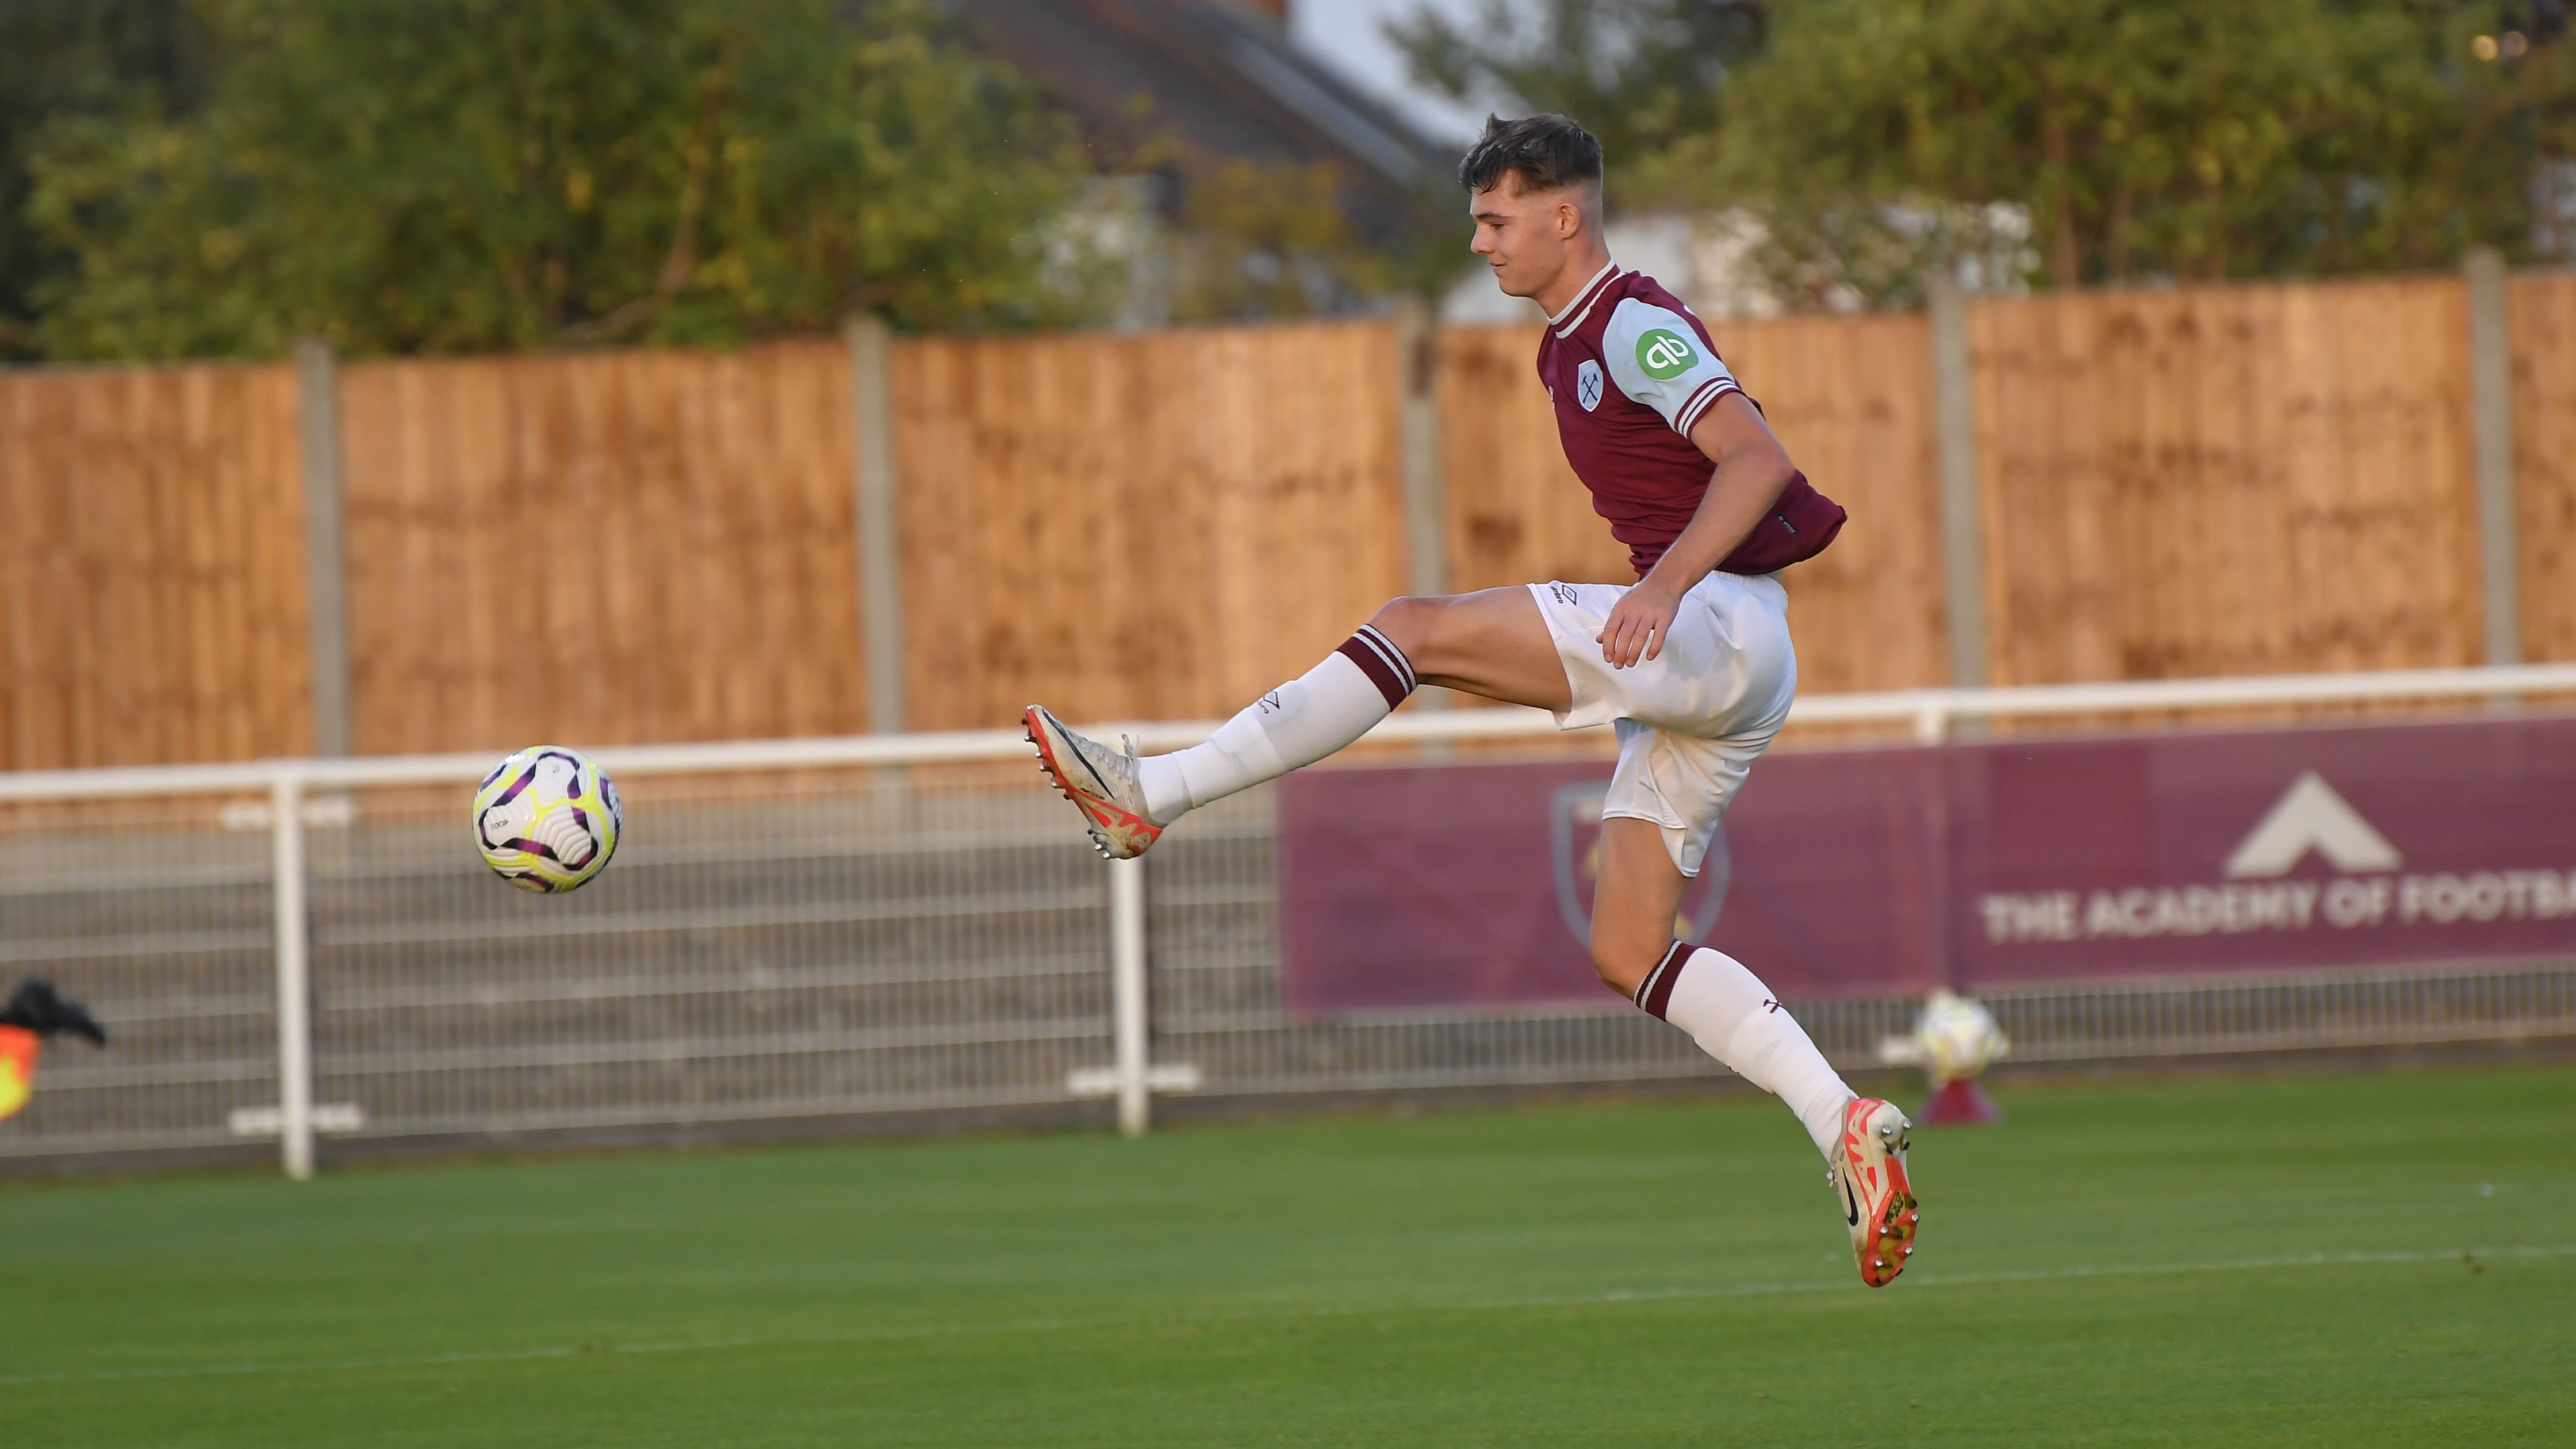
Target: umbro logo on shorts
{"points": [[1564, 593]]}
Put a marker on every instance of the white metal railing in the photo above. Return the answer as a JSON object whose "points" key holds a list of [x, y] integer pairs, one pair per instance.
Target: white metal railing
{"points": [[288, 806]]}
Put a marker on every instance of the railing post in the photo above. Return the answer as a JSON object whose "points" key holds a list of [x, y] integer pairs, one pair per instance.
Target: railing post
{"points": [[1127, 990], [294, 1018]]}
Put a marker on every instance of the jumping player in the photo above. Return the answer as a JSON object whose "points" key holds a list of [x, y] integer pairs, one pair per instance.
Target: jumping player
{"points": [[1691, 664]]}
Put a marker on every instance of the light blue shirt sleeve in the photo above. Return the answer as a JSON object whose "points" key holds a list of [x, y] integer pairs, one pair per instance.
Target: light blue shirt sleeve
{"points": [[1656, 358]]}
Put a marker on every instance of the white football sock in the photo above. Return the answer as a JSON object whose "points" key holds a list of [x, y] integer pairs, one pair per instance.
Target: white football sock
{"points": [[1292, 726], [1735, 1019]]}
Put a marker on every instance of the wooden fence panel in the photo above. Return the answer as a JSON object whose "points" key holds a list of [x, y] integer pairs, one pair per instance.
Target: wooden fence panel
{"points": [[1852, 401], [623, 547], [2228, 480], [1517, 514], [2543, 309], [658, 545], [151, 567], [1157, 526]]}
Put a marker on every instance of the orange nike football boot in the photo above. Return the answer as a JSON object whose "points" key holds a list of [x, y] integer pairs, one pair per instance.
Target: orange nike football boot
{"points": [[1868, 1175], [1101, 782]]}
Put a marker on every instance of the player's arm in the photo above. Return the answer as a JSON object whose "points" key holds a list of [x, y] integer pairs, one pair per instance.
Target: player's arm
{"points": [[1751, 470]]}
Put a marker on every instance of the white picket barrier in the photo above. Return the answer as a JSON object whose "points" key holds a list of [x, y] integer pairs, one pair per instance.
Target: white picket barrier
{"points": [[422, 948]]}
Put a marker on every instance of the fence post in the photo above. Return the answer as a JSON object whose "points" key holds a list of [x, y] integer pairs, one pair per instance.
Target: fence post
{"points": [[294, 983], [1426, 510], [326, 579], [2491, 408], [871, 345], [1426, 519], [1962, 519], [1127, 990]]}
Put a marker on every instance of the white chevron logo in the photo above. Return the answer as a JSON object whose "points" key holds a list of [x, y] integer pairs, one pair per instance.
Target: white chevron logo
{"points": [[2311, 816]]}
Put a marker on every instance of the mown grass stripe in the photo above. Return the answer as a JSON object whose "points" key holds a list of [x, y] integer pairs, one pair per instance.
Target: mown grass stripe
{"points": [[1916, 1281]]}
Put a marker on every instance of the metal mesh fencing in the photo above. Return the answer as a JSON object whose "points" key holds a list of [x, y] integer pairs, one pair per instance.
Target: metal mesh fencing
{"points": [[161, 917], [846, 946], [841, 944]]}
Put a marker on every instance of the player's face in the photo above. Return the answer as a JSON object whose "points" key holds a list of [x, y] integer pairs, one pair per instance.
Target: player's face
{"points": [[1524, 235]]}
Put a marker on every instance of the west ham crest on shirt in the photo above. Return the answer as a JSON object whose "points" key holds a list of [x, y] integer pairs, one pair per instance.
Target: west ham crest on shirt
{"points": [[1587, 384]]}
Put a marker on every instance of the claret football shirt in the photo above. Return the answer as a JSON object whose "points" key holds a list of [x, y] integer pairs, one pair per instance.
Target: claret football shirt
{"points": [[1630, 371]]}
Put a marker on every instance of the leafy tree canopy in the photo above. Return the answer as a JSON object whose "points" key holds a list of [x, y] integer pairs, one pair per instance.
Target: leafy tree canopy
{"points": [[61, 58], [1643, 75], [445, 175], [2191, 138], [2069, 141]]}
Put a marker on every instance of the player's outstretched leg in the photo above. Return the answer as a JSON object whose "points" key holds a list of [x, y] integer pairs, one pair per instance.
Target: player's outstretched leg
{"points": [[1492, 642], [1736, 1019], [1126, 801]]}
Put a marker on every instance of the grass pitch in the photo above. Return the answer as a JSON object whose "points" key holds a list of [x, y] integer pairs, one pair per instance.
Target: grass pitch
{"points": [[2310, 1260]]}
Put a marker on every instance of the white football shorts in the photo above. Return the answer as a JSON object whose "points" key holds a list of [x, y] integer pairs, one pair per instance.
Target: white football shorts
{"points": [[1692, 720]]}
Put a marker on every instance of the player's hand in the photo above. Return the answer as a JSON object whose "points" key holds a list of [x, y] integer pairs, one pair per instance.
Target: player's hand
{"points": [[1638, 624]]}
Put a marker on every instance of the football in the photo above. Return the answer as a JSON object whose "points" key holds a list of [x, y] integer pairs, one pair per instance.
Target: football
{"points": [[546, 819], [1958, 1038]]}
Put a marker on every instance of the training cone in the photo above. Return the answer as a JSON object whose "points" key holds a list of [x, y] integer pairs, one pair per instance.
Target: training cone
{"points": [[1961, 1103]]}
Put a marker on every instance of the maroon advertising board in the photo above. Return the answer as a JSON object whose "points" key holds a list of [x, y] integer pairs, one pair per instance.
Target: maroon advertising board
{"points": [[1887, 871]]}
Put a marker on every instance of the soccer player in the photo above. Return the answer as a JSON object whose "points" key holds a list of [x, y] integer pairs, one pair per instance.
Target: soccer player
{"points": [[1691, 664], [35, 1012]]}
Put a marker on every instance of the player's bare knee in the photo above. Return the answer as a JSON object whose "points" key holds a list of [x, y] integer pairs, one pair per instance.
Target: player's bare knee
{"points": [[1411, 623], [1619, 964]]}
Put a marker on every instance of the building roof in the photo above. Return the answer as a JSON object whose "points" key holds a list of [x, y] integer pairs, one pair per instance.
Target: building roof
{"points": [[1211, 82]]}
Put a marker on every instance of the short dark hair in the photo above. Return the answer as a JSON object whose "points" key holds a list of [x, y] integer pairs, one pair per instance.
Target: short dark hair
{"points": [[1544, 151]]}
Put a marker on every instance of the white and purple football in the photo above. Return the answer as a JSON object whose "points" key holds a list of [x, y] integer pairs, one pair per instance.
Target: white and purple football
{"points": [[546, 819]]}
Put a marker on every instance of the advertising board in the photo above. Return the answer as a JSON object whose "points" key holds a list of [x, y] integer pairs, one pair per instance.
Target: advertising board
{"points": [[1891, 871]]}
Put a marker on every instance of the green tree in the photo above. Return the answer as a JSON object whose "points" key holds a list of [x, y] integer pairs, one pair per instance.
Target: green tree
{"points": [[1643, 75], [2190, 138], [1268, 241], [62, 58], [441, 175]]}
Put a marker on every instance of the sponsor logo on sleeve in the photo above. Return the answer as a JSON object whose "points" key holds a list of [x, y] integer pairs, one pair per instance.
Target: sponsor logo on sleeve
{"points": [[1664, 354], [1587, 384]]}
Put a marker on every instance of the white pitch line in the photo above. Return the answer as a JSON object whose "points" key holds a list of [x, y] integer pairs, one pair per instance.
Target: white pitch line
{"points": [[1492, 1305]]}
